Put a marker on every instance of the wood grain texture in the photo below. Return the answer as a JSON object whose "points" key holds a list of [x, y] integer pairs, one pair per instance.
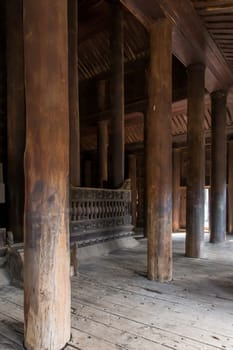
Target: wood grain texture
{"points": [[115, 307], [158, 154], [47, 262]]}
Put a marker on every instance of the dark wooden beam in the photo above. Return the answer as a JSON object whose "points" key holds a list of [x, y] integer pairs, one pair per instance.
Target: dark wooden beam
{"points": [[191, 41]]}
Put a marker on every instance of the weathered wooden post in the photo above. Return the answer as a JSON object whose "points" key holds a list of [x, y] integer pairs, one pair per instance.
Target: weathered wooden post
{"points": [[218, 168], [132, 165], [103, 152], [47, 261], [116, 131], [159, 153], [196, 161], [74, 93], [176, 191], [15, 118]]}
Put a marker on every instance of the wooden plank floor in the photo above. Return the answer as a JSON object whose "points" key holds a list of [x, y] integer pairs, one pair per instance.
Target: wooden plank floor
{"points": [[114, 306]]}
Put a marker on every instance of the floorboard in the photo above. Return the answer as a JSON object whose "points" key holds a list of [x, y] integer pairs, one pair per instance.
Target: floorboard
{"points": [[114, 306]]}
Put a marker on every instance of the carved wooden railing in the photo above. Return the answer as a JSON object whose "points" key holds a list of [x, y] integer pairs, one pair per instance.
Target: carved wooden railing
{"points": [[97, 215]]}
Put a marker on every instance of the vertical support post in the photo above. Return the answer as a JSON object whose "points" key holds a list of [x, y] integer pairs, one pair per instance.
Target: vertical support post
{"points": [[74, 93], [46, 248], [218, 168], [230, 187], [176, 191], [196, 161], [132, 164], [103, 152], [116, 131], [15, 118], [159, 153]]}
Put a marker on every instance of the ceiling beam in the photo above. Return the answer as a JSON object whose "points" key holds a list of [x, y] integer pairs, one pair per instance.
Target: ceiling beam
{"points": [[192, 42]]}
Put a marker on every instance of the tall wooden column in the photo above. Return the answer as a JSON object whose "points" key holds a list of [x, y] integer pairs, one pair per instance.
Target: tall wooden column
{"points": [[230, 187], [132, 164], [196, 160], [176, 191], [74, 93], [218, 168], [159, 154], [15, 118], [103, 152], [116, 131], [47, 261]]}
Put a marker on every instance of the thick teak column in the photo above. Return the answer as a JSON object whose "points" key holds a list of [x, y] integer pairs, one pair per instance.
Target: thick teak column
{"points": [[47, 262], [218, 168], [196, 159], [116, 131], [132, 165], [103, 152], [159, 154], [176, 191], [74, 94], [230, 187], [15, 118]]}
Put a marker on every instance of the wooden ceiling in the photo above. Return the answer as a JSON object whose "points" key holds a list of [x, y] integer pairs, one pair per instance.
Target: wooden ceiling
{"points": [[134, 125], [203, 32], [217, 16], [94, 50]]}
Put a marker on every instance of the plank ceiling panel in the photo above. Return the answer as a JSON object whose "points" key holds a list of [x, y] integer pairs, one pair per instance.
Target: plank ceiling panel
{"points": [[217, 16], [94, 53]]}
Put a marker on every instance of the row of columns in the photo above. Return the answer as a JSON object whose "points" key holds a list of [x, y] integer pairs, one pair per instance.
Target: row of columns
{"points": [[42, 71], [159, 215], [51, 96]]}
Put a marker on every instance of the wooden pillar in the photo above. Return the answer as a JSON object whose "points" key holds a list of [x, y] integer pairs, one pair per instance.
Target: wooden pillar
{"points": [[159, 154], [132, 164], [87, 173], [74, 93], [196, 161], [116, 131], [15, 118], [176, 191], [218, 168], [103, 152], [46, 247], [230, 187]]}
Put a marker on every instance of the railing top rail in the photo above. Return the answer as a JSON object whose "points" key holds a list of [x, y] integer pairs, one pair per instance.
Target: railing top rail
{"points": [[100, 189]]}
